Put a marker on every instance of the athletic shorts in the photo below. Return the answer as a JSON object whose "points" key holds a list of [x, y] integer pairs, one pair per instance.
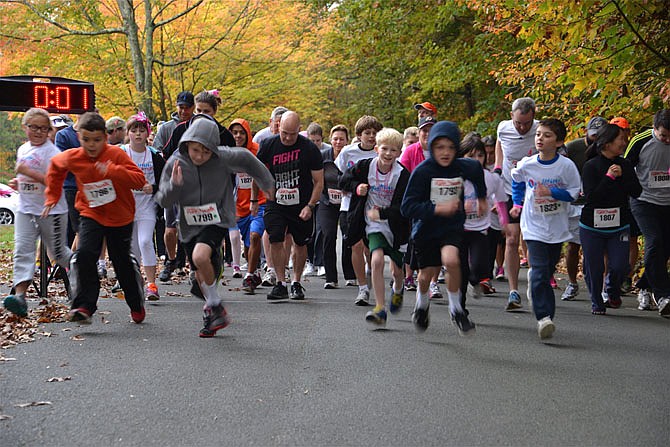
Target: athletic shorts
{"points": [[171, 216], [429, 254], [377, 241], [251, 224], [281, 219], [212, 236], [510, 205]]}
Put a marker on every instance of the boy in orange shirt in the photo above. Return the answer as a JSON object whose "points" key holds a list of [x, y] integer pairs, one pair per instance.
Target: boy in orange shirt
{"points": [[105, 178]]}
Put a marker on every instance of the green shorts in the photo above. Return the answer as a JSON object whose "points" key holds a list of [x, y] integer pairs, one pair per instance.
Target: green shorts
{"points": [[377, 240]]}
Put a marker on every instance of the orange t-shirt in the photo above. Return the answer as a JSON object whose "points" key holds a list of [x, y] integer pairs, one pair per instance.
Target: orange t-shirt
{"points": [[107, 199], [244, 180]]}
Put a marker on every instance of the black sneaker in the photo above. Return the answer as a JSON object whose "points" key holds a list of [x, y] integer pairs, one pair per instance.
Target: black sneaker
{"points": [[421, 319], [214, 319], [297, 291], [279, 292], [166, 274], [463, 323]]}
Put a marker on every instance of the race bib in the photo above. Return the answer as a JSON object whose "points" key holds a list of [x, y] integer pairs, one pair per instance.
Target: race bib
{"points": [[30, 187], [99, 193], [443, 190], [334, 196], [244, 181], [606, 217], [206, 214], [288, 196], [471, 209], [547, 206], [659, 179]]}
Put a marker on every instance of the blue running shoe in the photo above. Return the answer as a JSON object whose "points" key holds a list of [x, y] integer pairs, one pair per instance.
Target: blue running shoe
{"points": [[396, 301], [514, 301], [376, 318], [17, 305]]}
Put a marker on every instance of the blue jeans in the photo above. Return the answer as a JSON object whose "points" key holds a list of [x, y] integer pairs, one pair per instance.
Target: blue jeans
{"points": [[595, 244], [654, 222], [543, 258]]}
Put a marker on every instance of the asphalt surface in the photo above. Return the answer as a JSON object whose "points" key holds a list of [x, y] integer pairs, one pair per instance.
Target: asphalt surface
{"points": [[315, 373]]}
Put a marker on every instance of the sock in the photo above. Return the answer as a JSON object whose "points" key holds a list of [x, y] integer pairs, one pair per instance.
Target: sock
{"points": [[363, 288], [399, 289], [422, 300], [212, 298], [455, 302], [378, 308]]}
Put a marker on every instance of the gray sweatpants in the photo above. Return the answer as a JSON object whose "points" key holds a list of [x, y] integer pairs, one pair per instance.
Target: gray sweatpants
{"points": [[53, 232]]}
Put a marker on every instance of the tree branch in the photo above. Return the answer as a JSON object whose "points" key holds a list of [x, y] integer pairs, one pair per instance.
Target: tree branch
{"points": [[637, 34], [181, 14]]}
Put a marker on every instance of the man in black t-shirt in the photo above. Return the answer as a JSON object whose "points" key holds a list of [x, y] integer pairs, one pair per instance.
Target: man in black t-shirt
{"points": [[297, 166]]}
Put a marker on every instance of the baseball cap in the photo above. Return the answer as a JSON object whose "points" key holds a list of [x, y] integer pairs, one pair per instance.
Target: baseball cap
{"points": [[426, 120], [428, 106], [58, 122], [621, 122], [114, 123], [594, 124], [185, 99]]}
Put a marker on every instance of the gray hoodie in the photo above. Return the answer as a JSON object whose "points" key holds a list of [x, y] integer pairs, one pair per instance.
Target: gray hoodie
{"points": [[209, 183]]}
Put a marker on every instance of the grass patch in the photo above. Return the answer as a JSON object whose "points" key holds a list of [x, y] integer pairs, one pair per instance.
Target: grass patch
{"points": [[7, 237]]}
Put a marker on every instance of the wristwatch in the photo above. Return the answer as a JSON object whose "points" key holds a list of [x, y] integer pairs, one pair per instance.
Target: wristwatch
{"points": [[311, 207]]}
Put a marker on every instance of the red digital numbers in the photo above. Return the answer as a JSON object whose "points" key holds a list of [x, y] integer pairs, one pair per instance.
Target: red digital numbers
{"points": [[59, 97]]}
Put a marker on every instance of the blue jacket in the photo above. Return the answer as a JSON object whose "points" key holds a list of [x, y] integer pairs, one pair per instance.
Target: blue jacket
{"points": [[416, 204]]}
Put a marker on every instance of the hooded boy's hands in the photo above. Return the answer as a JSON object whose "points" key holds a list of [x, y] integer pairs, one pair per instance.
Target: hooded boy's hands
{"points": [[446, 209], [176, 177]]}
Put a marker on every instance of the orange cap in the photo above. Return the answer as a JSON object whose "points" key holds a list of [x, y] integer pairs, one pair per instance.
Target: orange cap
{"points": [[621, 122]]}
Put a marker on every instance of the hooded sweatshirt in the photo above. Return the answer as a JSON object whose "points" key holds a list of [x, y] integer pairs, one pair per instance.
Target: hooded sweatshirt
{"points": [[206, 195], [431, 183], [244, 179]]}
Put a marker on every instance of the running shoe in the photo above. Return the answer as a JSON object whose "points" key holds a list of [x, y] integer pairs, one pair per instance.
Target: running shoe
{"points": [[474, 292], [250, 282], [269, 279], [523, 263], [410, 284], [513, 301], [434, 291], [117, 287], [421, 318], [463, 323], [330, 285], [321, 272], [646, 300], [168, 268], [297, 292], [440, 277], [138, 315], [214, 318], [486, 287], [351, 283], [151, 292], [500, 274], [237, 272], [553, 283], [279, 292], [545, 328], [610, 302], [102, 270], [80, 315], [396, 301], [626, 286], [309, 269], [363, 298], [376, 318], [570, 292], [664, 307], [16, 305]]}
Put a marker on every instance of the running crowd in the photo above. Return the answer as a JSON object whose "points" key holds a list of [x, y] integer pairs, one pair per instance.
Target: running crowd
{"points": [[443, 207]]}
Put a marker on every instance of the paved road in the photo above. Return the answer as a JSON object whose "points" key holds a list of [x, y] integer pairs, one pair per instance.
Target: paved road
{"points": [[314, 373]]}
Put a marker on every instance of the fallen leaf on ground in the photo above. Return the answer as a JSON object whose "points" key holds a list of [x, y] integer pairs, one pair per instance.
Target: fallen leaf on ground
{"points": [[77, 338], [4, 417], [59, 379], [7, 359], [34, 404]]}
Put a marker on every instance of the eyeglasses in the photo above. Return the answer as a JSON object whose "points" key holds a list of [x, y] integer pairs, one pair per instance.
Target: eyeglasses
{"points": [[116, 130], [34, 128]]}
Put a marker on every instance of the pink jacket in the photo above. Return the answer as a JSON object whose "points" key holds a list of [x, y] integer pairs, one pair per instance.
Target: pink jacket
{"points": [[412, 156]]}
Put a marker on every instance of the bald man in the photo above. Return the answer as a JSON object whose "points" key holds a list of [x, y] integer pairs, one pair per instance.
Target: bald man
{"points": [[297, 166]]}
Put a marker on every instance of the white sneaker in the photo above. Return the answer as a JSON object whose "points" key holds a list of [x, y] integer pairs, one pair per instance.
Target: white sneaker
{"points": [[440, 277], [475, 291], [330, 285], [308, 270], [321, 272], [664, 307], [545, 328], [351, 283], [434, 291], [269, 279], [363, 298], [646, 300], [570, 292]]}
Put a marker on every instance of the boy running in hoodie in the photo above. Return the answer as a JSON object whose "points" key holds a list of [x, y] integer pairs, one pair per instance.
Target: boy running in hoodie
{"points": [[434, 202], [197, 177], [377, 186]]}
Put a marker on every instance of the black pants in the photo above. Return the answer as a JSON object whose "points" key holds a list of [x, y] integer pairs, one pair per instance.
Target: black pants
{"points": [[84, 275], [474, 253], [347, 266], [326, 217]]}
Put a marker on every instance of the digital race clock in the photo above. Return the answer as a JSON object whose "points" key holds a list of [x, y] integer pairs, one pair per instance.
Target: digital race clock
{"points": [[55, 95]]}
